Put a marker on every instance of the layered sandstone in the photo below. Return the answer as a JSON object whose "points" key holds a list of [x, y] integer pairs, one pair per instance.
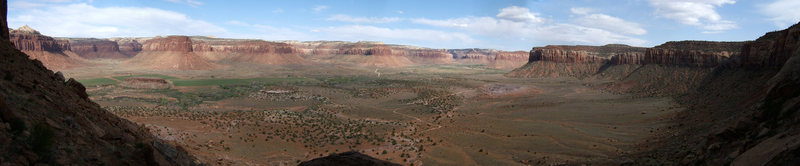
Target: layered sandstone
{"points": [[96, 48], [583, 54], [128, 46], [509, 60], [27, 39], [247, 51]]}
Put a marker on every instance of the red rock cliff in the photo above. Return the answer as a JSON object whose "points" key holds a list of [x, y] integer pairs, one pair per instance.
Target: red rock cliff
{"points": [[513, 56], [249, 46], [170, 43], [96, 48], [683, 53], [368, 48], [583, 54], [129, 47], [27, 39]]}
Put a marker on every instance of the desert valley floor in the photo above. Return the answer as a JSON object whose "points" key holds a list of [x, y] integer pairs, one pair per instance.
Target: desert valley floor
{"points": [[451, 114]]}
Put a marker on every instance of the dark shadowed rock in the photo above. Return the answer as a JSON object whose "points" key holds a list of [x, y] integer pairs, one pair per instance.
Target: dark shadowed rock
{"points": [[346, 158], [46, 121]]}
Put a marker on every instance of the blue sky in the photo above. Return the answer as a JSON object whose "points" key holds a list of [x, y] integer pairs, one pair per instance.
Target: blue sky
{"points": [[498, 24]]}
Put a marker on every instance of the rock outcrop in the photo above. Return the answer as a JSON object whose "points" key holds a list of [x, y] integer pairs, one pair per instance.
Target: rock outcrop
{"points": [[47, 121], [172, 52], [96, 48], [128, 46], [347, 158], [741, 98], [771, 50]]}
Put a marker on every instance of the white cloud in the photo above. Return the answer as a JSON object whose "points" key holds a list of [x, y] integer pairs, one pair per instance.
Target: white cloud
{"points": [[700, 13], [606, 22], [32, 4], [582, 10], [516, 13], [522, 24], [372, 33], [399, 12], [351, 19], [24, 5], [576, 34], [278, 11], [267, 32], [82, 20], [192, 3], [319, 8], [782, 12]]}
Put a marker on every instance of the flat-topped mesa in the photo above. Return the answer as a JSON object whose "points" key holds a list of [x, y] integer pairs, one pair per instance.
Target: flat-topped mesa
{"points": [[771, 50], [429, 53], [583, 54], [27, 39], [245, 46], [512, 56], [368, 48], [96, 48], [169, 43]]}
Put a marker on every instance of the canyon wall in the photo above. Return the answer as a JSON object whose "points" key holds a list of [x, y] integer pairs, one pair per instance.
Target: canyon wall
{"points": [[96, 48], [247, 51], [741, 98], [403, 55]]}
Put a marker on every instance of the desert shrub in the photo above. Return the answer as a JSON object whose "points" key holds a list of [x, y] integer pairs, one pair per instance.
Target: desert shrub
{"points": [[41, 140]]}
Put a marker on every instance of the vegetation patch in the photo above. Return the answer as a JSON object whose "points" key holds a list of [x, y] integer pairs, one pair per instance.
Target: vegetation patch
{"points": [[166, 77], [236, 81]]}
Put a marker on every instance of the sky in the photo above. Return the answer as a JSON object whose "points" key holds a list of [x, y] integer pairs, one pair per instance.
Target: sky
{"points": [[495, 24]]}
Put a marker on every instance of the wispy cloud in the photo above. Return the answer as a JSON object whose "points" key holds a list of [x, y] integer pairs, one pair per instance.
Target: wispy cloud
{"points": [[352, 19], [700, 13], [268, 32], [319, 8], [373, 33], [278, 11], [192, 3], [609, 23], [782, 12], [83, 20], [520, 23]]}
